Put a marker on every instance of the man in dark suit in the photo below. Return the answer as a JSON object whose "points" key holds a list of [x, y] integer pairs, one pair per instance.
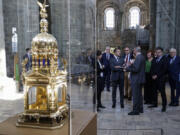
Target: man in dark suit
{"points": [[106, 62], [137, 70], [158, 73], [29, 59], [117, 77], [174, 77]]}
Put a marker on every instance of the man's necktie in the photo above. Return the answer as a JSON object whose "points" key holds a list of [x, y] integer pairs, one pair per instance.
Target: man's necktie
{"points": [[172, 60], [107, 56], [126, 59]]}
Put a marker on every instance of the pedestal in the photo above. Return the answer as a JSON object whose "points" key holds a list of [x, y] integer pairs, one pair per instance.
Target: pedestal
{"points": [[83, 123]]}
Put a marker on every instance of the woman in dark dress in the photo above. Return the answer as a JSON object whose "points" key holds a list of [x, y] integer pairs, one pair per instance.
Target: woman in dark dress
{"points": [[100, 79], [148, 85]]}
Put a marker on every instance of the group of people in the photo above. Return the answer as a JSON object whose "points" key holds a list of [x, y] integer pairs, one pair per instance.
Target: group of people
{"points": [[132, 71]]}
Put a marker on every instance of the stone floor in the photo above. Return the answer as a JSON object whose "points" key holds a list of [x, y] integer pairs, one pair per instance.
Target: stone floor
{"points": [[117, 122], [112, 121]]}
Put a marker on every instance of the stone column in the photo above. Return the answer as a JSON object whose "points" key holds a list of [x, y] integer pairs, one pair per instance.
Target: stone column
{"points": [[152, 11], [2, 45], [158, 24], [7, 85]]}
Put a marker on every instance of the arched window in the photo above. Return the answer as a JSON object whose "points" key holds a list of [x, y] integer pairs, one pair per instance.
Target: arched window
{"points": [[134, 17], [109, 18]]}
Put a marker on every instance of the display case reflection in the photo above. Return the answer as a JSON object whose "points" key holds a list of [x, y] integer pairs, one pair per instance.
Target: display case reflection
{"points": [[45, 86]]}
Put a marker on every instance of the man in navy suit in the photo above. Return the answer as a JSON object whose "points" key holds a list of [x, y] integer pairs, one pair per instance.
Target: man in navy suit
{"points": [[106, 62], [174, 77], [29, 58], [117, 77]]}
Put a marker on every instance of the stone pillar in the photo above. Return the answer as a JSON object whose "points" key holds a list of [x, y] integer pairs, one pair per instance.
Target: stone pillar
{"points": [[152, 11], [2, 45], [7, 85], [158, 24]]}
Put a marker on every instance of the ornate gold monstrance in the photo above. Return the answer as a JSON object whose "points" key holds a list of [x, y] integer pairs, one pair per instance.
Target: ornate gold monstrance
{"points": [[44, 85]]}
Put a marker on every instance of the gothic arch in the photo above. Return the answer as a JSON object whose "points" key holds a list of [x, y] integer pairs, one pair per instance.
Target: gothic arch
{"points": [[144, 15], [102, 6]]}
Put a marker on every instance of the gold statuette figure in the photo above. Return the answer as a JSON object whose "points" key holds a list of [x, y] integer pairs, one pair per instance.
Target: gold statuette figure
{"points": [[44, 85]]}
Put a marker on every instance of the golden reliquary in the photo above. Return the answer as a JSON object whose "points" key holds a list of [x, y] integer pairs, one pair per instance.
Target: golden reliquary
{"points": [[44, 85]]}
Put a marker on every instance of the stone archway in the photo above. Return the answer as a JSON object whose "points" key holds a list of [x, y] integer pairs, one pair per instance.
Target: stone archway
{"points": [[144, 14]]}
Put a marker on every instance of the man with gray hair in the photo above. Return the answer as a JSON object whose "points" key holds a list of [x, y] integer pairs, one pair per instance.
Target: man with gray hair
{"points": [[106, 62], [137, 70], [174, 76]]}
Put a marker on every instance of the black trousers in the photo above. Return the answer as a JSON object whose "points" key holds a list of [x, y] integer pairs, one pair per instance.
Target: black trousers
{"points": [[159, 85], [137, 97], [107, 75], [175, 90], [173, 87], [100, 88], [148, 89], [115, 84]]}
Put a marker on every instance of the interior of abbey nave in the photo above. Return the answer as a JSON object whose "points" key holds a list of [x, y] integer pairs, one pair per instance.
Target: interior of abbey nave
{"points": [[61, 39]]}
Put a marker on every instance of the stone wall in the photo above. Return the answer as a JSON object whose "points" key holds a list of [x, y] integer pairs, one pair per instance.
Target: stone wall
{"points": [[82, 26], [119, 35], [24, 15], [60, 24], [167, 24]]}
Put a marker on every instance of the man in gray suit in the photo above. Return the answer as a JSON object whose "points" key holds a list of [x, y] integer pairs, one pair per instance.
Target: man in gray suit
{"points": [[117, 77], [137, 70]]}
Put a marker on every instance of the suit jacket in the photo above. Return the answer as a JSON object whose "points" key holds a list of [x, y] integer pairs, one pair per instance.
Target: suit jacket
{"points": [[29, 63], [116, 73], [99, 70], [131, 56], [100, 79], [174, 68], [159, 68], [106, 62], [137, 70]]}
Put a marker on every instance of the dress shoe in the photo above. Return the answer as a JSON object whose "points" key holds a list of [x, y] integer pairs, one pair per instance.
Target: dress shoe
{"points": [[108, 90], [114, 106], [141, 111], [163, 109], [122, 105], [171, 104], [152, 106], [147, 103], [101, 106], [125, 96], [98, 110], [133, 113], [129, 98], [175, 104]]}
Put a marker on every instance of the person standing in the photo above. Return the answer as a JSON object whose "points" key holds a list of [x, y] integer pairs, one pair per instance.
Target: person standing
{"points": [[158, 73], [174, 77], [106, 61], [148, 84], [100, 79], [127, 58], [117, 77], [29, 59], [137, 69]]}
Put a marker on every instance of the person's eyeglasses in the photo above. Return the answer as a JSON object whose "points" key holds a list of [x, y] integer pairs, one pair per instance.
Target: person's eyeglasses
{"points": [[126, 50]]}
